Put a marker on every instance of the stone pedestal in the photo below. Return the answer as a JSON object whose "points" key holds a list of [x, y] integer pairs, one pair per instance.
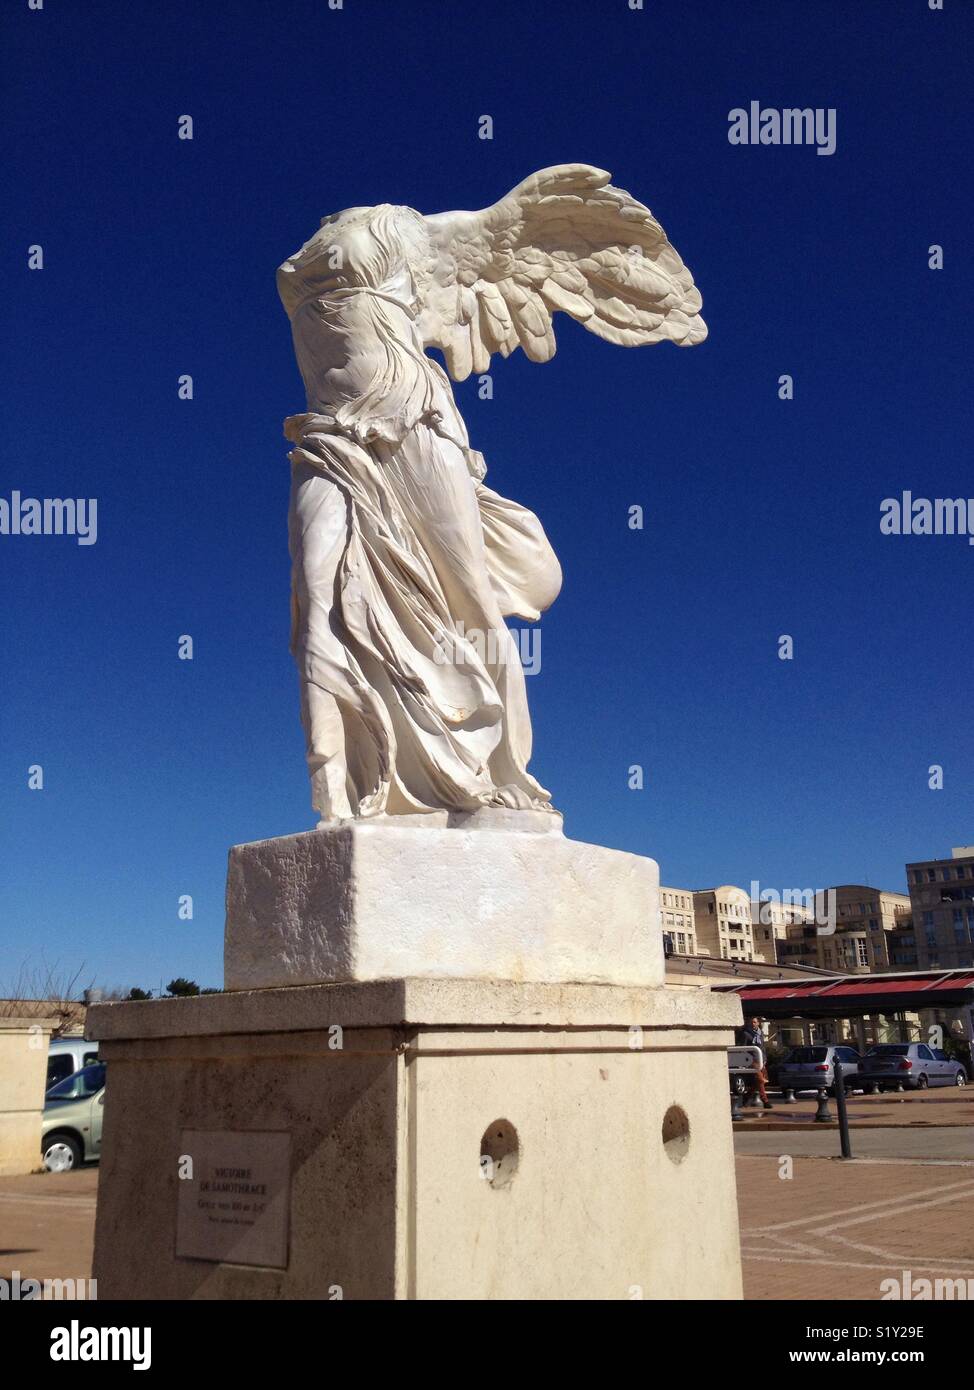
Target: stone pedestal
{"points": [[419, 1139], [446, 1066]]}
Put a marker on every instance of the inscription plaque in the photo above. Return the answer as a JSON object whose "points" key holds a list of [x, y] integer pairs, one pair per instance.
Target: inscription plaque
{"points": [[234, 1208]]}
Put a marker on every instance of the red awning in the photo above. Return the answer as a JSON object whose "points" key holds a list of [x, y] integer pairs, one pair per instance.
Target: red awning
{"points": [[856, 987]]}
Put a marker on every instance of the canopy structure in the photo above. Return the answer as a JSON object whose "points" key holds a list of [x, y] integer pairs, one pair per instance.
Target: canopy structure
{"points": [[849, 996]]}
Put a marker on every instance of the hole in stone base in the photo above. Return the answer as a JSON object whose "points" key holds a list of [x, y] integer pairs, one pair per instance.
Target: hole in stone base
{"points": [[676, 1134], [499, 1153]]}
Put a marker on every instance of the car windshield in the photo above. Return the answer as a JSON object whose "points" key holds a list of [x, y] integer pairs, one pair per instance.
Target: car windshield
{"points": [[808, 1054], [889, 1050], [81, 1083]]}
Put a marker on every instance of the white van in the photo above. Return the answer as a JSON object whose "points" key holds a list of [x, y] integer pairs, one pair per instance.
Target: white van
{"points": [[66, 1056]]}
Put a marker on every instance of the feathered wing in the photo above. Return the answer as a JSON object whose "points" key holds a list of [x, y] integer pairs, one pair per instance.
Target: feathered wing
{"points": [[563, 239]]}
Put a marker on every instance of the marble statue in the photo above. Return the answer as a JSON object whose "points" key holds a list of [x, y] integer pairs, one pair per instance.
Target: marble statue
{"points": [[400, 552]]}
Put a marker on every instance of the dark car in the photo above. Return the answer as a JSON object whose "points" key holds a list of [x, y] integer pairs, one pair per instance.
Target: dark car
{"points": [[915, 1065]]}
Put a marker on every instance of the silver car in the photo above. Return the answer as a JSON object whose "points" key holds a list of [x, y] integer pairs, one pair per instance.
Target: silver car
{"points": [[812, 1068], [72, 1120], [916, 1065], [68, 1055]]}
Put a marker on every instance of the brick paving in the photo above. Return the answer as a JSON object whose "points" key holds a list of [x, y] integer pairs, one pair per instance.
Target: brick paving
{"points": [[832, 1230], [836, 1229]]}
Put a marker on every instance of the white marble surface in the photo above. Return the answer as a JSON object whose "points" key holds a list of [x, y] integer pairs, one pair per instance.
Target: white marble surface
{"points": [[364, 902], [405, 564]]}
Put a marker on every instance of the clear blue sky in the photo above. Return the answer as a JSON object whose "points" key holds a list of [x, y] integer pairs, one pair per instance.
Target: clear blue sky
{"points": [[762, 516]]}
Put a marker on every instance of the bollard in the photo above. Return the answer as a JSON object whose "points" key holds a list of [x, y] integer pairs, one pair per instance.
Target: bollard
{"points": [[790, 1096], [822, 1115], [736, 1106], [844, 1140], [873, 1088]]}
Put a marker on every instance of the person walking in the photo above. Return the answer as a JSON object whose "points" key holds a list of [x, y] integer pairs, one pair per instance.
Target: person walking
{"points": [[755, 1037]]}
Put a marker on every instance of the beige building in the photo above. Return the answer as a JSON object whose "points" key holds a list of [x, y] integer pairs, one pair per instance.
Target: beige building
{"points": [[24, 1040], [770, 922], [676, 913], [722, 923], [865, 922], [942, 894]]}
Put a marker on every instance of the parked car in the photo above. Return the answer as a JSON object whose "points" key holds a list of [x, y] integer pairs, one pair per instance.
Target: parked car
{"points": [[66, 1056], [915, 1064], [72, 1120], [812, 1067]]}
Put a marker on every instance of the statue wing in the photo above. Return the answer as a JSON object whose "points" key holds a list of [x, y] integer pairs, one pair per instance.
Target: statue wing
{"points": [[563, 239]]}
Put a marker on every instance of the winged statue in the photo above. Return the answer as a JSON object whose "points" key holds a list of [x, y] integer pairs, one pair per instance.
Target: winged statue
{"points": [[402, 558]]}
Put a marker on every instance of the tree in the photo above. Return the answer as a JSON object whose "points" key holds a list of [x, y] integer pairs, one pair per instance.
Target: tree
{"points": [[181, 988], [136, 993]]}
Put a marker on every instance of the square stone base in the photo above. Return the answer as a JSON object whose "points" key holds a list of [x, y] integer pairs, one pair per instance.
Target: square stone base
{"points": [[419, 1139], [377, 901]]}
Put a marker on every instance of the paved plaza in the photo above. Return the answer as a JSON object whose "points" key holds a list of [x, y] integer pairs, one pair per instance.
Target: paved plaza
{"points": [[812, 1225]]}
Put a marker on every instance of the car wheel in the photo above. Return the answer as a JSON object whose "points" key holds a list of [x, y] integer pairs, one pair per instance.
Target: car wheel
{"points": [[61, 1152], [922, 1083], [960, 1079]]}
